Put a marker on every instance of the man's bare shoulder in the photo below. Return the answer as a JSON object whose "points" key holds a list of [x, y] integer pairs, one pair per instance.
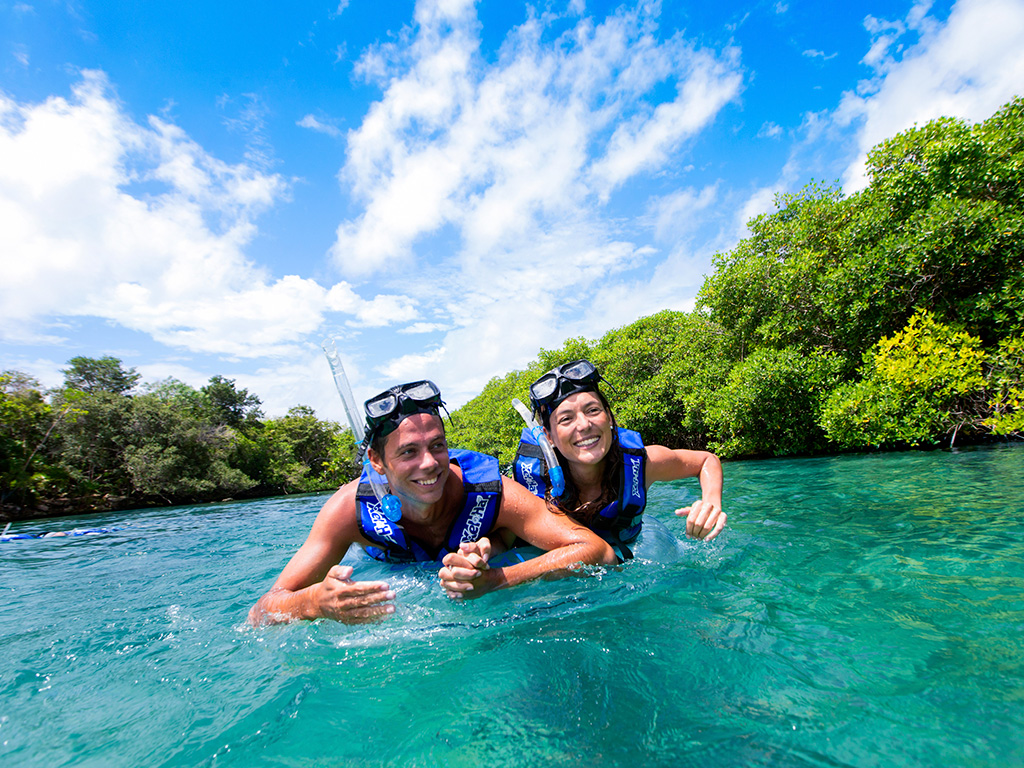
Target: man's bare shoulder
{"points": [[338, 516]]}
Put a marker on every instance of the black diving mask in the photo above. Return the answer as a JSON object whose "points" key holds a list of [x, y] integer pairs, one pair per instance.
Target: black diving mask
{"points": [[558, 383], [385, 411]]}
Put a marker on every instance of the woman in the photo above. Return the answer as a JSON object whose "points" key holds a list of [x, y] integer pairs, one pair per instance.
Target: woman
{"points": [[607, 469]]}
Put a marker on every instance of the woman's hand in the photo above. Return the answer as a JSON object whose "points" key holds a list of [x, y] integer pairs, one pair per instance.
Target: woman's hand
{"points": [[704, 519]]}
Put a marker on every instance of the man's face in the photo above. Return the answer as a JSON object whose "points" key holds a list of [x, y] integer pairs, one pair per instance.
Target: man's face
{"points": [[415, 459]]}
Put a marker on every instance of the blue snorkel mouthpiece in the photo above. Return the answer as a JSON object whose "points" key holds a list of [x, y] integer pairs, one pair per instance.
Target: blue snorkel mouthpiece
{"points": [[555, 474]]}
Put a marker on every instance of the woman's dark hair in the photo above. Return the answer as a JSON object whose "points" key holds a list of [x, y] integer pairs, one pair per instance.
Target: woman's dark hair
{"points": [[569, 502]]}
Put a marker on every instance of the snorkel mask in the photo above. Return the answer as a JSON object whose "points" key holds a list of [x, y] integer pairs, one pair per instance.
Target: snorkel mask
{"points": [[561, 382], [384, 412]]}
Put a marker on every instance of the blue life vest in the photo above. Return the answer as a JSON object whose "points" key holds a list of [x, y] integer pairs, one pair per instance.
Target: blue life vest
{"points": [[621, 520], [481, 482]]}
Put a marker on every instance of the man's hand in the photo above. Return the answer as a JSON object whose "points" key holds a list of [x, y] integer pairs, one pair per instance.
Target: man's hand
{"points": [[463, 574], [351, 602], [704, 519]]}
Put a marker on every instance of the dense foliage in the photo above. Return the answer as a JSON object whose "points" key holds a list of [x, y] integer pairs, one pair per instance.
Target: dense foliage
{"points": [[98, 442], [890, 318]]}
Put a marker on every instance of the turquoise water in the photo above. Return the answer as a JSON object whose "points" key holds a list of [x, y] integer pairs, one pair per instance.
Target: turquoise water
{"points": [[858, 611]]}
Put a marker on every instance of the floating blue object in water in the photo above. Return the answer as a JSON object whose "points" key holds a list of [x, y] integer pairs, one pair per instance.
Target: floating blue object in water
{"points": [[56, 534]]}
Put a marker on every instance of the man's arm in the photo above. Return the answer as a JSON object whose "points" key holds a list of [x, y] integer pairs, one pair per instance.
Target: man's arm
{"points": [[704, 518], [313, 586], [569, 544]]}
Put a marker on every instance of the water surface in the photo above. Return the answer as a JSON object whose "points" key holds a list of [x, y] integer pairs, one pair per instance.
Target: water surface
{"points": [[858, 611]]}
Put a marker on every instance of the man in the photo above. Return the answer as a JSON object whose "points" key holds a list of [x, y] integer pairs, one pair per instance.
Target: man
{"points": [[449, 503]]}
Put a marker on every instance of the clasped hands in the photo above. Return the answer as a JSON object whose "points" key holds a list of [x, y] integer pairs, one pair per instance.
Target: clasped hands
{"points": [[464, 574]]}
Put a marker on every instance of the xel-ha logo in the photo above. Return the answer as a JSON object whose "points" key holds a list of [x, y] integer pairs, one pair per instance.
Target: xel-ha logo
{"points": [[476, 519], [636, 479], [381, 525], [531, 481]]}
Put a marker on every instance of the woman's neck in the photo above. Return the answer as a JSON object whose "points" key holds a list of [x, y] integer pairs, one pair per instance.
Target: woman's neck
{"points": [[587, 478]]}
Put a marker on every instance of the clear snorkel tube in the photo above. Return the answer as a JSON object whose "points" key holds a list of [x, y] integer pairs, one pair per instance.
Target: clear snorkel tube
{"points": [[390, 504], [554, 468]]}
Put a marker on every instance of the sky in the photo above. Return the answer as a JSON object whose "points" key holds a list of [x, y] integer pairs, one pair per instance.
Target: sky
{"points": [[442, 187]]}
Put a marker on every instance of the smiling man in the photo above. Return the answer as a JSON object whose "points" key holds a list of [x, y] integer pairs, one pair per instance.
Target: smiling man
{"points": [[437, 505]]}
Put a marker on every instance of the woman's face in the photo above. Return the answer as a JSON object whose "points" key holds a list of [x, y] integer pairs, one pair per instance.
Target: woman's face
{"points": [[581, 428]]}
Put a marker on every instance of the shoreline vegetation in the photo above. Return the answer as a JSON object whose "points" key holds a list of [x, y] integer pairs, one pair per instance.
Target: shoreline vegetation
{"points": [[888, 319]]}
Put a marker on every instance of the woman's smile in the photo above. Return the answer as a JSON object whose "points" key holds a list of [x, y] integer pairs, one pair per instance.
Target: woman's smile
{"points": [[581, 428]]}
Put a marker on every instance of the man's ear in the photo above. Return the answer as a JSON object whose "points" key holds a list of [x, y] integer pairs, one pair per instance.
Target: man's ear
{"points": [[376, 460]]}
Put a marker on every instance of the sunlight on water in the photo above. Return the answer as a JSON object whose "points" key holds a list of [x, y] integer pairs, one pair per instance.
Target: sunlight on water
{"points": [[864, 610]]}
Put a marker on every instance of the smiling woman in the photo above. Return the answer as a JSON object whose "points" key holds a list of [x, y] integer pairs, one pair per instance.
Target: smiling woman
{"points": [[608, 470]]}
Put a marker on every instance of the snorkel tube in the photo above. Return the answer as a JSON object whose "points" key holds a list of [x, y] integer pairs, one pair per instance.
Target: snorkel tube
{"points": [[555, 473], [390, 504]]}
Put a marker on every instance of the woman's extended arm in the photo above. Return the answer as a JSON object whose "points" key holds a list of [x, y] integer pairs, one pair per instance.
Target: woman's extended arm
{"points": [[704, 518]]}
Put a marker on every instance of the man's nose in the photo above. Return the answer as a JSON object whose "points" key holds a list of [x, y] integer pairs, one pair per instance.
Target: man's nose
{"points": [[428, 460]]}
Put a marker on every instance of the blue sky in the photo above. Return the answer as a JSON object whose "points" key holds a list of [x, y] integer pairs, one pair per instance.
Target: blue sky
{"points": [[443, 187]]}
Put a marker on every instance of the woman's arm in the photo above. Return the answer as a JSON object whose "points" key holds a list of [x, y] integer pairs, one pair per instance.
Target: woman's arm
{"points": [[704, 518]]}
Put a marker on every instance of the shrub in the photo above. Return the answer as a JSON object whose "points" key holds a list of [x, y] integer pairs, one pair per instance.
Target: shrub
{"points": [[770, 404], [916, 387]]}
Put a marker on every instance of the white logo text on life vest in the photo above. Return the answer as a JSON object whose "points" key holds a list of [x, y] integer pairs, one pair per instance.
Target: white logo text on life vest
{"points": [[636, 479], [381, 525], [476, 519], [531, 481]]}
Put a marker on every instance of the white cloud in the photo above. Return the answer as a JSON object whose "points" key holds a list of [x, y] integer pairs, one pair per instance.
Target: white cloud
{"points": [[761, 201], [678, 213], [423, 328], [309, 121], [303, 378], [384, 309], [249, 120], [965, 68], [496, 174], [497, 151], [411, 367], [811, 53], [137, 224], [645, 141]]}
